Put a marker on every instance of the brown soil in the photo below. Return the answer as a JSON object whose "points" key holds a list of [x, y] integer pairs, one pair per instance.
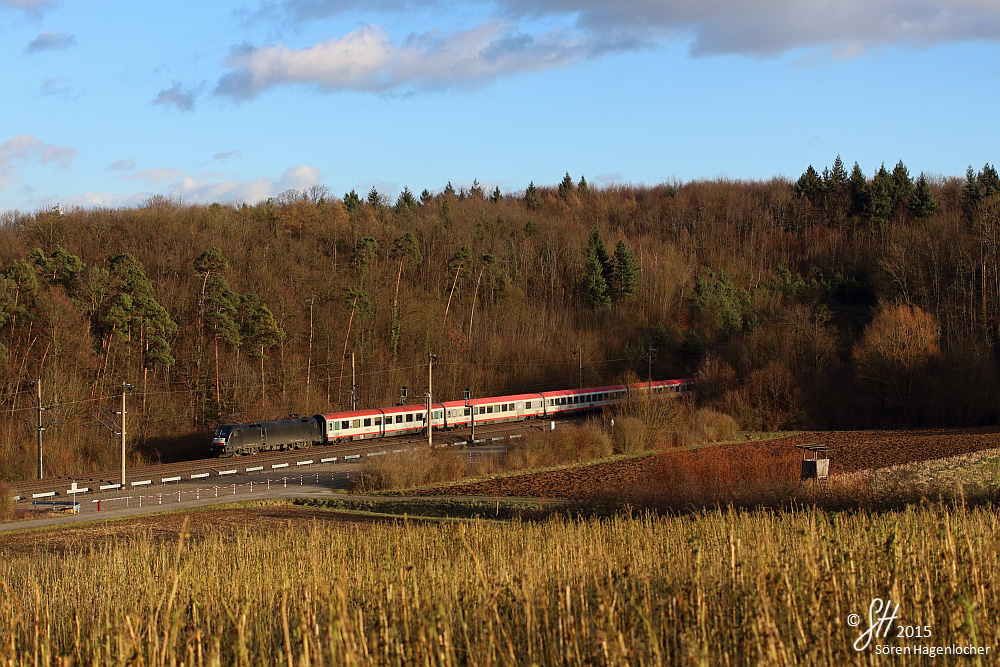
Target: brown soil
{"points": [[851, 451]]}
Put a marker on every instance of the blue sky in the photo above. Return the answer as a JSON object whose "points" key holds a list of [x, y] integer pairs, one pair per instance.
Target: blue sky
{"points": [[108, 103]]}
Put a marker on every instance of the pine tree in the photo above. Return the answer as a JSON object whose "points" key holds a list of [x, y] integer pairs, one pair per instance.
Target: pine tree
{"points": [[880, 201], [133, 314], [901, 187], [582, 188], [922, 204], [352, 202], [626, 273], [532, 198], [989, 181], [857, 185], [374, 199], [810, 186], [364, 253], [406, 202], [260, 332], [449, 191], [566, 188], [971, 194], [222, 308], [838, 177], [477, 190], [595, 247], [426, 197], [496, 197], [595, 287]]}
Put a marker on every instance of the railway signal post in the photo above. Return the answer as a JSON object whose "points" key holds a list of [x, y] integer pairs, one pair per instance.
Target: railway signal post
{"points": [[431, 358], [125, 389]]}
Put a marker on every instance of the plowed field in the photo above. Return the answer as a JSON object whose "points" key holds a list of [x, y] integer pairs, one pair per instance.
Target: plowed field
{"points": [[851, 451]]}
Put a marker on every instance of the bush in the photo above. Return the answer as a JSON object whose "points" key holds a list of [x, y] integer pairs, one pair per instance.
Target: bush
{"points": [[704, 425], [742, 475], [568, 444], [408, 469]]}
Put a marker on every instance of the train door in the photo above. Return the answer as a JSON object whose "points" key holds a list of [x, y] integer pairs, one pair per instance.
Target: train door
{"points": [[519, 407]]}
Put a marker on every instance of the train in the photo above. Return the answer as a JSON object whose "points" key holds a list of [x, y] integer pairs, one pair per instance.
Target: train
{"points": [[300, 432]]}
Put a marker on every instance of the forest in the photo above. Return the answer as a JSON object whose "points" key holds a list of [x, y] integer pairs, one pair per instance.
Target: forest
{"points": [[835, 301]]}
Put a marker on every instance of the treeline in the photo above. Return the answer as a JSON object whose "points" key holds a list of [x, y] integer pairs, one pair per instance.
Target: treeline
{"points": [[838, 300]]}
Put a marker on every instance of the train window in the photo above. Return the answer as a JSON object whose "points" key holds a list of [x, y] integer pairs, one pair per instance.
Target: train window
{"points": [[467, 412], [527, 405], [576, 399], [409, 417], [378, 421], [355, 423], [345, 424], [421, 416], [489, 409], [368, 422]]}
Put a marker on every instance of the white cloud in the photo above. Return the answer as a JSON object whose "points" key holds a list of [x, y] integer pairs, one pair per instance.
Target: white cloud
{"points": [[178, 96], [51, 41], [23, 149], [222, 157], [124, 164], [367, 60], [30, 6], [767, 27], [208, 187]]}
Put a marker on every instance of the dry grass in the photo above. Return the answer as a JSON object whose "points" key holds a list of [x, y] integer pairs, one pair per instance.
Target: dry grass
{"points": [[715, 587], [6, 502], [567, 444]]}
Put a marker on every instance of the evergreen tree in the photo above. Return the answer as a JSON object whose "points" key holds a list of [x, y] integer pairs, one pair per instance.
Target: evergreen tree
{"points": [[352, 202], [989, 181], [837, 179], [595, 287], [582, 188], [532, 198], [134, 315], [626, 273], [375, 199], [810, 186], [364, 253], [858, 188], [922, 204], [477, 191], [222, 309], [426, 197], [971, 194], [449, 191], [901, 187], [880, 201], [406, 201], [566, 188], [260, 332], [58, 268], [496, 197], [595, 247]]}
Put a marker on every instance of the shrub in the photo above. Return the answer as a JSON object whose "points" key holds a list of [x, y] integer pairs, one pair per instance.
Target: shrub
{"points": [[401, 471], [742, 475], [564, 445], [704, 425]]}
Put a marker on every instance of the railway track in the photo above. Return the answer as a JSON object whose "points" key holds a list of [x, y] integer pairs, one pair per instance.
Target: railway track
{"points": [[109, 481]]}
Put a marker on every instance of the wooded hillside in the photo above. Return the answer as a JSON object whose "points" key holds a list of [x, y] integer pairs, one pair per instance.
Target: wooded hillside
{"points": [[838, 300]]}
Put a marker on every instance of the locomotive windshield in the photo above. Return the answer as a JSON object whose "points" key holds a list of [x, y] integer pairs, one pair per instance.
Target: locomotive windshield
{"points": [[223, 431]]}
